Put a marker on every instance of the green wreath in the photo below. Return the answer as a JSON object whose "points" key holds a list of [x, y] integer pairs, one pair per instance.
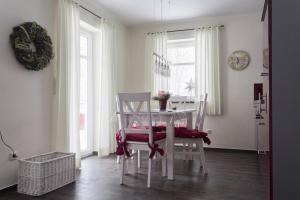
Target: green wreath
{"points": [[31, 45]]}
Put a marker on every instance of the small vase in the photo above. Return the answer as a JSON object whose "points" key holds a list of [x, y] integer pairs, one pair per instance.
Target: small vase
{"points": [[162, 105]]}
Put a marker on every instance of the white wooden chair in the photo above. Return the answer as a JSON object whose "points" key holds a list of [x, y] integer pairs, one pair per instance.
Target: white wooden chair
{"points": [[118, 125], [141, 138], [195, 136]]}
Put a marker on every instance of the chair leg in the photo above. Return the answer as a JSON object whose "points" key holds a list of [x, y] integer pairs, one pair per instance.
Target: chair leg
{"points": [[149, 173], [164, 163], [190, 149], [132, 152], [202, 157], [187, 150], [183, 150], [136, 162], [123, 160], [198, 150], [139, 158]]}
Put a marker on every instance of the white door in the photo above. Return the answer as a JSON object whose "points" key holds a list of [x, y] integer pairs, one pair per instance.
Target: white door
{"points": [[86, 132]]}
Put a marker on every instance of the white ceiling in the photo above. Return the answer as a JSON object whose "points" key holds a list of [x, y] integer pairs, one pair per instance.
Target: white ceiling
{"points": [[133, 12]]}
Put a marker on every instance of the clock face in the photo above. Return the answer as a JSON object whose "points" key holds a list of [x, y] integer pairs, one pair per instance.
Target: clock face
{"points": [[239, 60]]}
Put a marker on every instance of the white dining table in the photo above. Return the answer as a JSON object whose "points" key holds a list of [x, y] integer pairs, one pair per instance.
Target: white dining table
{"points": [[169, 117]]}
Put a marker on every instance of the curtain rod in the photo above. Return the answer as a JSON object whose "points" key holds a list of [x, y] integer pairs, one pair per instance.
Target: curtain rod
{"points": [[84, 8], [187, 29], [89, 11]]}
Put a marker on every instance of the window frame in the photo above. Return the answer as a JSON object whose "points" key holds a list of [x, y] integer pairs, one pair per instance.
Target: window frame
{"points": [[183, 42], [89, 57]]}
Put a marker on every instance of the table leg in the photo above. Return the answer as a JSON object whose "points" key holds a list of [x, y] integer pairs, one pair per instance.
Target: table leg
{"points": [[170, 150]]}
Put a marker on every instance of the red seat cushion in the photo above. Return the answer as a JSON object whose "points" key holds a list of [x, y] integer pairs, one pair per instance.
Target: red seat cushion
{"points": [[188, 133], [182, 132], [159, 128], [158, 134], [145, 137]]}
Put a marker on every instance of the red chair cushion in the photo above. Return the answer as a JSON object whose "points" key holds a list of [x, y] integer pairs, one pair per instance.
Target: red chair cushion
{"points": [[145, 137], [159, 128], [182, 132], [158, 134], [188, 133]]}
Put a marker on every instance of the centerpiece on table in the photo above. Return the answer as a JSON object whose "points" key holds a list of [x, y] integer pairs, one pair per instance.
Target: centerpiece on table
{"points": [[162, 99]]}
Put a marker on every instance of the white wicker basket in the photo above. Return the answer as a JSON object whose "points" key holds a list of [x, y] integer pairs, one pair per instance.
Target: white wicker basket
{"points": [[41, 174]]}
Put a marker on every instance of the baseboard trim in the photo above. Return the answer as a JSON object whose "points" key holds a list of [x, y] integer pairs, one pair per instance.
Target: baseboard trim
{"points": [[230, 150], [14, 186], [95, 153]]}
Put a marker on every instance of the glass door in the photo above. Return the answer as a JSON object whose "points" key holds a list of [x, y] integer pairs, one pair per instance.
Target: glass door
{"points": [[86, 136]]}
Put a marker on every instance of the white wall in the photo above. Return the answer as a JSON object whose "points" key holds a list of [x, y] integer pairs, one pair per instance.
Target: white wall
{"points": [[25, 96], [235, 128]]}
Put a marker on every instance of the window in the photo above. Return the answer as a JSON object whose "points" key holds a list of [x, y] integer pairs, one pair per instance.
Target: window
{"points": [[86, 143], [181, 54]]}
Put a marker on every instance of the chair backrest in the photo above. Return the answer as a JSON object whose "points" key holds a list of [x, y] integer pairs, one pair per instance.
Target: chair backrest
{"points": [[131, 104], [201, 113]]}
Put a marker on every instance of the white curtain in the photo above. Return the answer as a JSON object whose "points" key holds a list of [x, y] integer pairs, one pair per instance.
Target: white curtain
{"points": [[104, 89], [65, 128], [208, 68], [155, 81]]}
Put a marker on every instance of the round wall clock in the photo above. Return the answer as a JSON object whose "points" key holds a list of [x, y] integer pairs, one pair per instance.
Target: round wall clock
{"points": [[239, 60]]}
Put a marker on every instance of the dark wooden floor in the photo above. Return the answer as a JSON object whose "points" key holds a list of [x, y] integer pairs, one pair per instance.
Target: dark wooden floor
{"points": [[232, 176]]}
